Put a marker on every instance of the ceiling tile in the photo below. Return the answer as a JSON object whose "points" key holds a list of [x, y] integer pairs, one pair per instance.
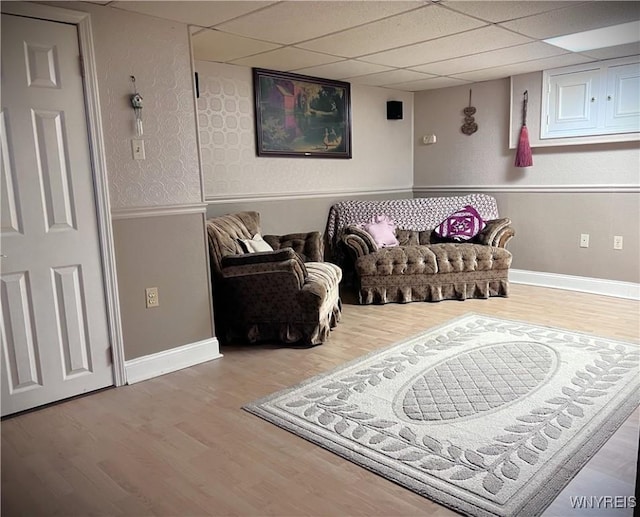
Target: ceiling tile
{"points": [[204, 14], [429, 22], [630, 49], [211, 45], [342, 69], [312, 19], [286, 59], [503, 11], [489, 74], [504, 56], [477, 40], [391, 77], [577, 18], [428, 84]]}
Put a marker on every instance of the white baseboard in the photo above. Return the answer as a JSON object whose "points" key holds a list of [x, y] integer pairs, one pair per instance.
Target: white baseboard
{"points": [[618, 289], [167, 361]]}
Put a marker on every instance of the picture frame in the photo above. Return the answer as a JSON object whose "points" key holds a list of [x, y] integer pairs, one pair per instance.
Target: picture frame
{"points": [[301, 116]]}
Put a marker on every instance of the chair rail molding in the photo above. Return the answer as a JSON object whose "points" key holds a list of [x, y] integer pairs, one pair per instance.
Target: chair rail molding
{"points": [[160, 210], [284, 196], [533, 189]]}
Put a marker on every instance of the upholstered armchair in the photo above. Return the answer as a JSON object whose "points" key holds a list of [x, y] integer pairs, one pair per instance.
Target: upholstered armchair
{"points": [[288, 294]]}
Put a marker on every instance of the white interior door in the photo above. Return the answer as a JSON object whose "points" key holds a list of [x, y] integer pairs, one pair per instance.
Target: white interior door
{"points": [[55, 338]]}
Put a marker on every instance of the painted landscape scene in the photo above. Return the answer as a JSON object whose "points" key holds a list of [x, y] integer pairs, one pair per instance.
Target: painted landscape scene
{"points": [[298, 116]]}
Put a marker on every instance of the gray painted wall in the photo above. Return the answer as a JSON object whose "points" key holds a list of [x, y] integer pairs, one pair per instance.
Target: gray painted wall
{"points": [[548, 224], [166, 252], [291, 215]]}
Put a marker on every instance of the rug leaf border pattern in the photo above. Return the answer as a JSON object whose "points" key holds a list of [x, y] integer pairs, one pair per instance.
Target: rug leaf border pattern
{"points": [[327, 410]]}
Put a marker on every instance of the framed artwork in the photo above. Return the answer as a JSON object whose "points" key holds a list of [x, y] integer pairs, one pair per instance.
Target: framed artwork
{"points": [[297, 115]]}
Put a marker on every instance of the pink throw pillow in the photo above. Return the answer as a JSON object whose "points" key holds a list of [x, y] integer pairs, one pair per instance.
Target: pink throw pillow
{"points": [[382, 229], [462, 225]]}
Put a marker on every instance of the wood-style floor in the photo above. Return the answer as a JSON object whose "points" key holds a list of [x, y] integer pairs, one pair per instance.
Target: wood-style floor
{"points": [[180, 444]]}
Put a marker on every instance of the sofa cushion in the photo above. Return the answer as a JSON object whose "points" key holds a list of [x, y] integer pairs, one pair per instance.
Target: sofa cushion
{"points": [[398, 260], [433, 258], [223, 233], [382, 229], [255, 244], [457, 258], [462, 225], [413, 237]]}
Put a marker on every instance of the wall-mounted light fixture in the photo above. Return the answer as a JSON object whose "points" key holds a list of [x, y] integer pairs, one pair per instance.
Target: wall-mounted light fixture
{"points": [[136, 104]]}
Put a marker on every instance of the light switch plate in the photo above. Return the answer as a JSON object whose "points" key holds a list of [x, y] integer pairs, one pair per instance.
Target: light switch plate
{"points": [[137, 149]]}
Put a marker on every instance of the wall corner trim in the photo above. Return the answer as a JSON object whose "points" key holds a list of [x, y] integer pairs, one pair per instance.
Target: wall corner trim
{"points": [[615, 288], [167, 361]]}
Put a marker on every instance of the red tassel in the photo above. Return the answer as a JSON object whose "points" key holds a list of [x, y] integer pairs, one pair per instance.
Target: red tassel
{"points": [[523, 155]]}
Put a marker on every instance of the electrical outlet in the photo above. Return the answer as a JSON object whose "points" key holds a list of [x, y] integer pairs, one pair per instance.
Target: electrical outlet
{"points": [[137, 149], [617, 242], [584, 240], [152, 297]]}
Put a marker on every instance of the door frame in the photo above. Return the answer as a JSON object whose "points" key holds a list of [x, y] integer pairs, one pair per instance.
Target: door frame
{"points": [[82, 21]]}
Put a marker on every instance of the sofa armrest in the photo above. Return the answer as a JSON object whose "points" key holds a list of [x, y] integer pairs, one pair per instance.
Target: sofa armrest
{"points": [[308, 245], [281, 261], [359, 241], [497, 232]]}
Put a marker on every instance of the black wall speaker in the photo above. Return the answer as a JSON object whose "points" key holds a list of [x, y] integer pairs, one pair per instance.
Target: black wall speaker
{"points": [[394, 110]]}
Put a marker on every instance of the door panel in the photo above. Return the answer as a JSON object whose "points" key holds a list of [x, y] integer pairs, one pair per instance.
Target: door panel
{"points": [[573, 104], [19, 334], [50, 143], [623, 99], [8, 204], [55, 339]]}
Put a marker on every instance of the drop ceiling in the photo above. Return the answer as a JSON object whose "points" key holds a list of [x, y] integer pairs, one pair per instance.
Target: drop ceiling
{"points": [[405, 45]]}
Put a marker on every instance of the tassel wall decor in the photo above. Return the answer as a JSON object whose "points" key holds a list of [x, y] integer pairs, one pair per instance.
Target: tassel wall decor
{"points": [[523, 154]]}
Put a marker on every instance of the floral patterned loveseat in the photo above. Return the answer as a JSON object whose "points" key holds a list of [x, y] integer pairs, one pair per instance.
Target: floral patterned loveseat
{"points": [[288, 294], [420, 268]]}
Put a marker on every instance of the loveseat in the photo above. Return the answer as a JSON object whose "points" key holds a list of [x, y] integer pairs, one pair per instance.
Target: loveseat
{"points": [[423, 266], [286, 294]]}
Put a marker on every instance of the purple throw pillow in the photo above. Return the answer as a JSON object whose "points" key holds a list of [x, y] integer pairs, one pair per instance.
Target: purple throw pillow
{"points": [[462, 225], [382, 229]]}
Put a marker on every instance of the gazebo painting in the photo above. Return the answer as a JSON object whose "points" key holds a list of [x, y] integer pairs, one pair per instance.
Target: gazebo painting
{"points": [[303, 116]]}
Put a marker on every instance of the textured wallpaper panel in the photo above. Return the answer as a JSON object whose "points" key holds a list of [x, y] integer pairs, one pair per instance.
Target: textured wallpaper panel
{"points": [[157, 53], [382, 149]]}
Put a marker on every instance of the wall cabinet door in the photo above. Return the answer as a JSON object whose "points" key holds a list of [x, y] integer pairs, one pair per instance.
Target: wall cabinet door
{"points": [[601, 98], [623, 97], [573, 102]]}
